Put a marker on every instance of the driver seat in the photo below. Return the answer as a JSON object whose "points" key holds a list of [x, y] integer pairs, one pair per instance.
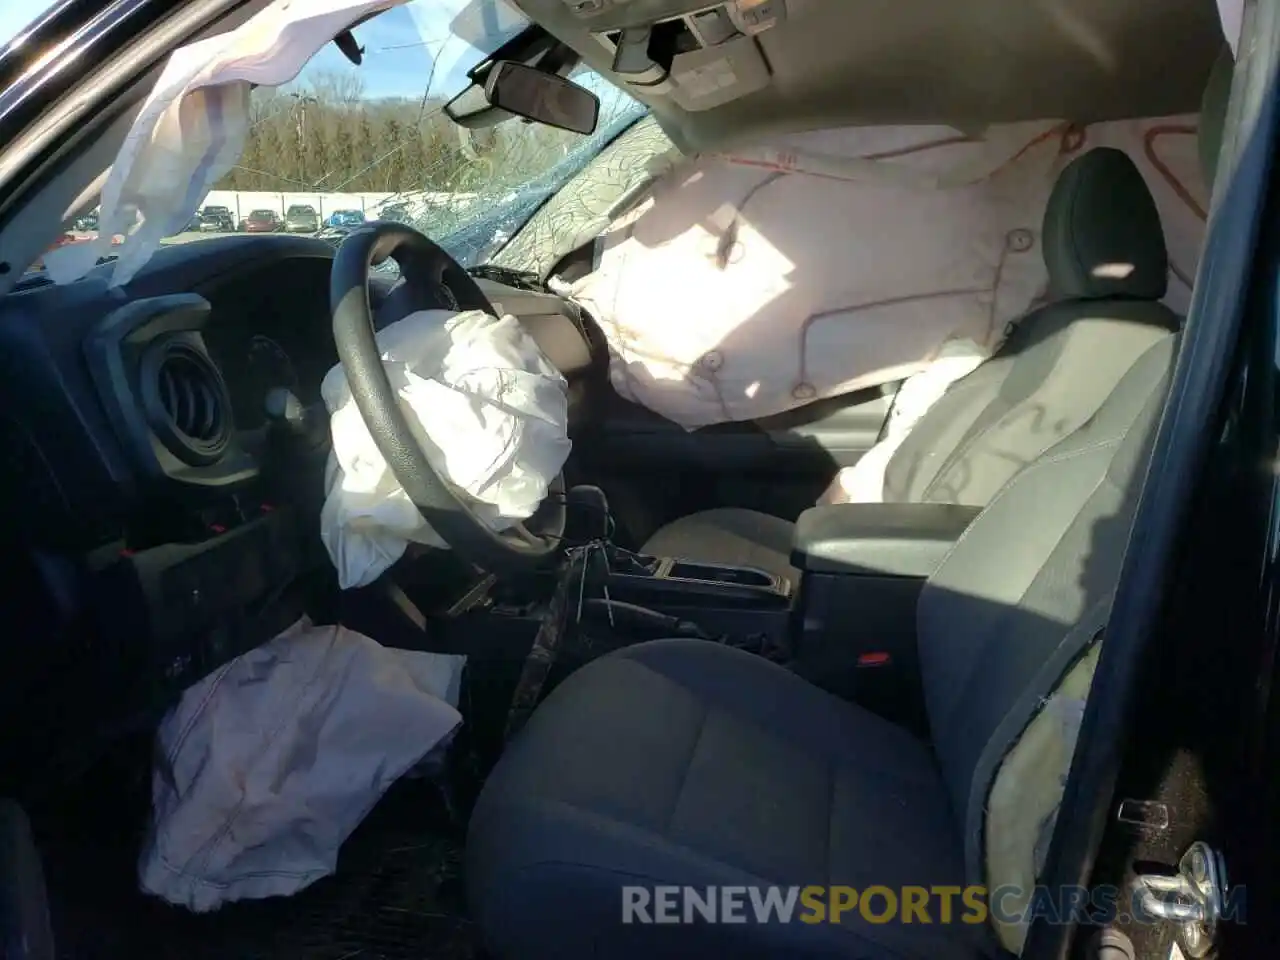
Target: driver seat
{"points": [[1105, 254], [691, 764]]}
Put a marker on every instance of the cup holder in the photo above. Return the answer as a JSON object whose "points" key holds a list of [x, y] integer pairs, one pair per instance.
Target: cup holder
{"points": [[712, 573], [674, 584]]}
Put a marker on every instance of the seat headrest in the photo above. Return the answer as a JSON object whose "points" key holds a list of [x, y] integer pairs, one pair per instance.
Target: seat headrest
{"points": [[1213, 114], [1102, 233]]}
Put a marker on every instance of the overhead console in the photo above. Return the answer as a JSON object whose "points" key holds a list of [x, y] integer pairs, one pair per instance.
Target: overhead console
{"points": [[700, 55]]}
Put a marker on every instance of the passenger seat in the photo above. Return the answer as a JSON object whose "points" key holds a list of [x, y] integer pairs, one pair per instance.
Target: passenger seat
{"points": [[1105, 253]]}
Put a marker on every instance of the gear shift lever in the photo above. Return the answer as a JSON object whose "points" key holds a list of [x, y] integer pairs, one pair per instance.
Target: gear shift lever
{"points": [[589, 521], [587, 515]]}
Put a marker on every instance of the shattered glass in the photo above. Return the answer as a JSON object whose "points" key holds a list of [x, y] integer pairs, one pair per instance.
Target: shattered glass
{"points": [[583, 205], [526, 230]]}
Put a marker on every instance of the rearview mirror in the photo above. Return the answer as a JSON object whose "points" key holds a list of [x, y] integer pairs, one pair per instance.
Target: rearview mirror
{"points": [[471, 110], [542, 97]]}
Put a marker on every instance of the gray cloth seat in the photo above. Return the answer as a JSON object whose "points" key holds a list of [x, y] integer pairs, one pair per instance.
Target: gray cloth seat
{"points": [[687, 763], [1104, 249], [702, 765], [746, 538]]}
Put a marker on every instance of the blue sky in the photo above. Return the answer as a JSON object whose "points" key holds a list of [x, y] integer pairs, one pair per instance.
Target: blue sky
{"points": [[16, 14], [400, 44]]}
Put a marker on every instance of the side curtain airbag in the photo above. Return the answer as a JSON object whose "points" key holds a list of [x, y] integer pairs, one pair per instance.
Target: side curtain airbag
{"points": [[750, 283]]}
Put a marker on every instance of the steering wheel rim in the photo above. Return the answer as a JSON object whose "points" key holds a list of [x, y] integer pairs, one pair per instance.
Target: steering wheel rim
{"points": [[424, 265]]}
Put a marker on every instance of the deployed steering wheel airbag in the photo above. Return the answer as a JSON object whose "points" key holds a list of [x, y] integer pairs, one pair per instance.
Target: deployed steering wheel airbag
{"points": [[486, 408]]}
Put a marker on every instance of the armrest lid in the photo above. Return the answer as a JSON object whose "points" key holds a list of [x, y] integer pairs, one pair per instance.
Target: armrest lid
{"points": [[878, 539]]}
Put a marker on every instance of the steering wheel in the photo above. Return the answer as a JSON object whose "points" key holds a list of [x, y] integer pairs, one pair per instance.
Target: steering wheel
{"points": [[434, 280]]}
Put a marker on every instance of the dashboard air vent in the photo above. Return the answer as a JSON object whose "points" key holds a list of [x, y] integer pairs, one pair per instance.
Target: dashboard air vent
{"points": [[186, 401]]}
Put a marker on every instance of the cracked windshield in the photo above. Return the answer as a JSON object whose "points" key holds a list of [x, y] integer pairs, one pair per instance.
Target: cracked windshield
{"points": [[343, 144]]}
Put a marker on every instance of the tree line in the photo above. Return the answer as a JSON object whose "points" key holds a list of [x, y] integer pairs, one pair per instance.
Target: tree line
{"points": [[328, 137]]}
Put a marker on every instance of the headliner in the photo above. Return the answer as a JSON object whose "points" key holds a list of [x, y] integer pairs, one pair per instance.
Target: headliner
{"points": [[964, 63]]}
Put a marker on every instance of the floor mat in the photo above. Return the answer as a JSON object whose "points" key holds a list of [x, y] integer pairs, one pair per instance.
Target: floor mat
{"points": [[397, 895]]}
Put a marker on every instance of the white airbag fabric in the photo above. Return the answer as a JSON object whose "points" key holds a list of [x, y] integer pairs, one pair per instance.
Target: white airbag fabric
{"points": [[745, 284], [488, 409], [267, 765], [864, 481], [191, 130], [1231, 13]]}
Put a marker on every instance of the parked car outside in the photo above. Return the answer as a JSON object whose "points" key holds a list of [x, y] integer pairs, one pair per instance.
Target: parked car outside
{"points": [[345, 218], [261, 221], [86, 224], [301, 218], [399, 212], [217, 220]]}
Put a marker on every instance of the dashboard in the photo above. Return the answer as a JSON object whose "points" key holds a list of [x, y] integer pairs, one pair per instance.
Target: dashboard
{"points": [[269, 327], [135, 443], [95, 380]]}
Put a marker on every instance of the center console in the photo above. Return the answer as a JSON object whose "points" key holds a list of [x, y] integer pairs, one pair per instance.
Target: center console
{"points": [[863, 566], [724, 601], [721, 600], [847, 622], [674, 581], [852, 608]]}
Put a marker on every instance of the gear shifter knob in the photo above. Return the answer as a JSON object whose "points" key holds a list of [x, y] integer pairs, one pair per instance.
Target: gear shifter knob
{"points": [[587, 515]]}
